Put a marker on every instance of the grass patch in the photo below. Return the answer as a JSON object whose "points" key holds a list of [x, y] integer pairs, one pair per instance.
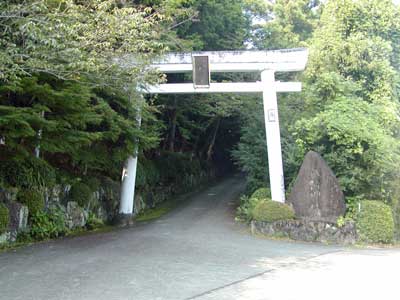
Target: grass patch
{"points": [[13, 246], [157, 212], [26, 240], [84, 231]]}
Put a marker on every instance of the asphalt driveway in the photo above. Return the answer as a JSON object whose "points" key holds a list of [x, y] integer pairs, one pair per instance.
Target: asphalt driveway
{"points": [[195, 252]]}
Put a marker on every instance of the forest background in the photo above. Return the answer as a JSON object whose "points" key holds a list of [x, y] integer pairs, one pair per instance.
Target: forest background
{"points": [[68, 110]]}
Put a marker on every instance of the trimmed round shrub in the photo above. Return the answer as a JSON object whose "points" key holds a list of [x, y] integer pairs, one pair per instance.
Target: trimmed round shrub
{"points": [[262, 193], [245, 210], [80, 193], [271, 211], [374, 222], [34, 200], [4, 218]]}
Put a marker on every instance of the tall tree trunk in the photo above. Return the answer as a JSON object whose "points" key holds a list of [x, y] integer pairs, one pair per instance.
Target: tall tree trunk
{"points": [[214, 136], [196, 152], [172, 132]]}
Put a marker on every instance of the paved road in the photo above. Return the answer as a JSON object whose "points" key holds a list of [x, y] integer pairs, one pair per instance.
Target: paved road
{"points": [[195, 252]]}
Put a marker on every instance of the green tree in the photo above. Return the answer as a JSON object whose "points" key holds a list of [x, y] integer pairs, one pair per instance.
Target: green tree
{"points": [[65, 84], [349, 110], [287, 24], [352, 108], [71, 39], [221, 24]]}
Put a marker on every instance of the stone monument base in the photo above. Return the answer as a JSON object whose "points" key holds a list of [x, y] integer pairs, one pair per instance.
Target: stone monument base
{"points": [[309, 231]]}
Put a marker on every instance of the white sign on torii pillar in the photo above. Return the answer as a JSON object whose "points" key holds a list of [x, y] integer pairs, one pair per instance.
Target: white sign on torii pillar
{"points": [[265, 62]]}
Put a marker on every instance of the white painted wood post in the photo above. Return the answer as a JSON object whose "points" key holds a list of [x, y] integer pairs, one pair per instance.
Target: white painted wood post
{"points": [[273, 135], [39, 136], [129, 176], [128, 186]]}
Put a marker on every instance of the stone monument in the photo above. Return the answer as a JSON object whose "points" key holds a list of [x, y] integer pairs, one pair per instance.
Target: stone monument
{"points": [[316, 194]]}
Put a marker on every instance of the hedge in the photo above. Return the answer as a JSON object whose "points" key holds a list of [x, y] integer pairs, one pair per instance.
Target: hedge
{"points": [[374, 222], [271, 211], [262, 193]]}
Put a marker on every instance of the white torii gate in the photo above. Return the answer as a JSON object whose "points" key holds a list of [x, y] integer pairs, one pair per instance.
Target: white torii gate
{"points": [[265, 62]]}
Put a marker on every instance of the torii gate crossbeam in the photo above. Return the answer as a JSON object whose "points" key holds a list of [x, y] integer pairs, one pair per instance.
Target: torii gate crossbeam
{"points": [[265, 62]]}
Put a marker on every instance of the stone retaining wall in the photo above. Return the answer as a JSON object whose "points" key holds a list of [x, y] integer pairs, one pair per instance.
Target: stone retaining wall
{"points": [[309, 231], [103, 204]]}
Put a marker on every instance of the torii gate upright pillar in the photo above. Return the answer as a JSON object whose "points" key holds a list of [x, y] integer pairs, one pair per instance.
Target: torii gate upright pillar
{"points": [[272, 131]]}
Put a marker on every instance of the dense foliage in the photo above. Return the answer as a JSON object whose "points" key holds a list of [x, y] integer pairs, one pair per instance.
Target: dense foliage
{"points": [[352, 97], [30, 173], [74, 39], [4, 218], [245, 209], [66, 95], [223, 25], [261, 193], [34, 200], [46, 225], [374, 222], [80, 193]]}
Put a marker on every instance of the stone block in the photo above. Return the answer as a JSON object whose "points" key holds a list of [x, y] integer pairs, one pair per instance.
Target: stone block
{"points": [[5, 237], [76, 216], [18, 216], [309, 231], [8, 195]]}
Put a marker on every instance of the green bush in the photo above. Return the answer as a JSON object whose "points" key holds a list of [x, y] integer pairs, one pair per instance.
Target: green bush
{"points": [[247, 205], [93, 222], [80, 193], [245, 210], [46, 225], [34, 200], [93, 183], [28, 173], [4, 218], [352, 206], [262, 193], [270, 211], [374, 222], [396, 218]]}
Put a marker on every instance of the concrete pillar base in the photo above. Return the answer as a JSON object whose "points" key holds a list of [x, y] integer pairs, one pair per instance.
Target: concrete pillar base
{"points": [[124, 220]]}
